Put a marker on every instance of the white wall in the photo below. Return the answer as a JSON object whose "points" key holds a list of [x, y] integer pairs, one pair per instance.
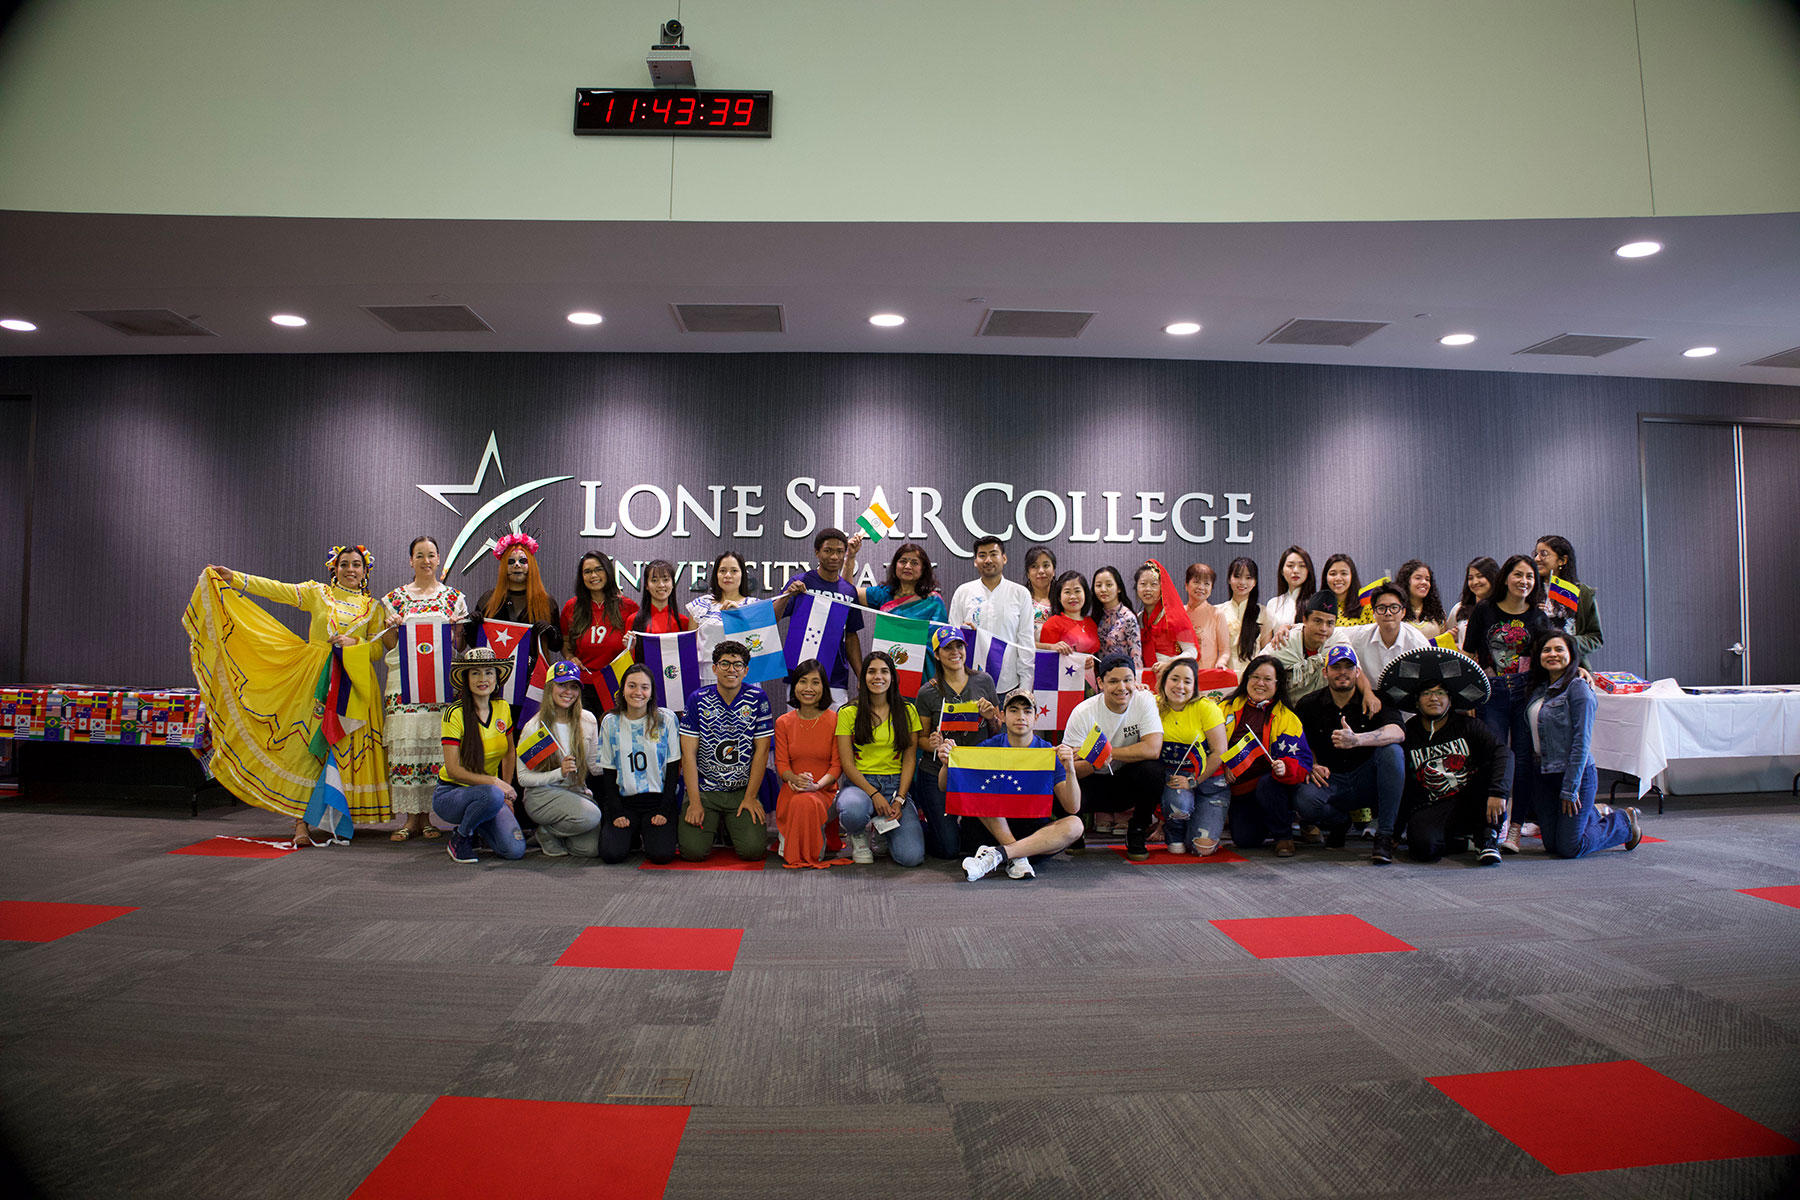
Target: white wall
{"points": [[966, 110]]}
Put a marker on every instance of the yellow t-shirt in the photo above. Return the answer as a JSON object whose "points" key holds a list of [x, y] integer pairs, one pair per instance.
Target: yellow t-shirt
{"points": [[878, 756], [1189, 726], [496, 733]]}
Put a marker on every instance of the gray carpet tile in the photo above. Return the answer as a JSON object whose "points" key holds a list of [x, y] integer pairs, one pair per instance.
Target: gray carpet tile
{"points": [[471, 939], [549, 1060], [827, 1153], [49, 983], [1761, 1084], [1644, 1023], [1114, 940], [1730, 1179], [600, 995]]}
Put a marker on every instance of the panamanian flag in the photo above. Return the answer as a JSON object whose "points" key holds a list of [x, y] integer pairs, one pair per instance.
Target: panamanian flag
{"points": [[1000, 781], [903, 639], [329, 809], [425, 660], [815, 630], [754, 626], [1058, 686], [509, 639], [674, 662]]}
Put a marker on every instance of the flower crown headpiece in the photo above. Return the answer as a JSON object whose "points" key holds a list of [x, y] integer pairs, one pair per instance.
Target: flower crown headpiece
{"points": [[337, 552], [515, 539]]}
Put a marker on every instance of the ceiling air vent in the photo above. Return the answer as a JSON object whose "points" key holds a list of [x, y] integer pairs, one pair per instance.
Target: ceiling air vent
{"points": [[1303, 332], [1032, 322], [1581, 345], [730, 318], [146, 322], [1787, 358], [428, 318]]}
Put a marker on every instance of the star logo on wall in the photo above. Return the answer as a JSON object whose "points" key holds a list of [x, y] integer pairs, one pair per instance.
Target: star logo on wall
{"points": [[471, 528]]}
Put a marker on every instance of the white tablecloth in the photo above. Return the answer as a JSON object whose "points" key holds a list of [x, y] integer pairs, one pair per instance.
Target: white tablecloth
{"points": [[1642, 734]]}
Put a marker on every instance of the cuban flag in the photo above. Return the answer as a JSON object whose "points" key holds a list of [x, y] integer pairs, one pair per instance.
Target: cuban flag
{"points": [[903, 640], [509, 639], [1000, 781], [815, 630], [425, 660], [674, 662], [1057, 685], [329, 809], [754, 626]]}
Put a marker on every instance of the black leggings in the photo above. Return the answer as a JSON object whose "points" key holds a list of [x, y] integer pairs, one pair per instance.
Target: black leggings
{"points": [[1137, 786], [1429, 829]]}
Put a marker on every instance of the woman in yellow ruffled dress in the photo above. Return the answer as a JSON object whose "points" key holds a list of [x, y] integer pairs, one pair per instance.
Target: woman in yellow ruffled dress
{"points": [[265, 688]]}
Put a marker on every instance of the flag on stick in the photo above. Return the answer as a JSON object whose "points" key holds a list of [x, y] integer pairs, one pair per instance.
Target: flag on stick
{"points": [[877, 522], [754, 626], [1000, 781], [1242, 754], [674, 662], [903, 640], [960, 716], [540, 749], [425, 660], [1095, 750], [1565, 593]]}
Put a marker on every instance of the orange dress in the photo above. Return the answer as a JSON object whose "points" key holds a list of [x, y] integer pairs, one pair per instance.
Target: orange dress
{"points": [[806, 748]]}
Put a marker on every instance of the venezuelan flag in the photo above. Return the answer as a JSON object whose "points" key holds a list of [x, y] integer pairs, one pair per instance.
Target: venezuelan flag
{"points": [[1565, 593], [1367, 594], [1242, 754], [1000, 781], [961, 716], [540, 749], [1095, 749]]}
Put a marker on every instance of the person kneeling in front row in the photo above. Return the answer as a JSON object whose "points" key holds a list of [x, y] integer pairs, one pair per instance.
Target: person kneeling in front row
{"points": [[1014, 841], [558, 798], [725, 734], [640, 766], [1132, 777], [1455, 782]]}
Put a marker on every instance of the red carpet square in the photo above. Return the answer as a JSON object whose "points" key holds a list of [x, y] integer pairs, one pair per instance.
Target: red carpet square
{"points": [[443, 1153], [1789, 895], [629, 948], [718, 860], [1563, 1117], [37, 921], [1160, 856], [236, 847], [1309, 937]]}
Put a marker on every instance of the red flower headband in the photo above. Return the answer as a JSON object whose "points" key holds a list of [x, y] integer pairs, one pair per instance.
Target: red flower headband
{"points": [[337, 552], [515, 539]]}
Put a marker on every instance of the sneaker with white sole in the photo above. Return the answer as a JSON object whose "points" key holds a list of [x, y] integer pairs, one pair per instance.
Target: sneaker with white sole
{"points": [[460, 849], [1177, 847], [859, 848], [983, 862], [550, 844], [1020, 868]]}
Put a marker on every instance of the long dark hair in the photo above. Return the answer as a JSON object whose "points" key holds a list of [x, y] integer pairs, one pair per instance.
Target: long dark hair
{"points": [[1562, 548], [1251, 628], [469, 752], [1242, 691], [581, 614], [899, 707], [1350, 597], [811, 666], [1540, 677], [927, 573], [1308, 586], [1094, 609], [1489, 570], [712, 580], [1536, 599], [1062, 581], [1031, 557], [1433, 607], [642, 620]]}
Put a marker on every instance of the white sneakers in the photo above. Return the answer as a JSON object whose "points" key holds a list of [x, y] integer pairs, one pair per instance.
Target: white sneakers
{"points": [[983, 862], [1177, 847], [860, 852], [1020, 868]]}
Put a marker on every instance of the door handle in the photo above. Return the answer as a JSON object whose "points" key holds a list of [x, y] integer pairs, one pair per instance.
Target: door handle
{"points": [[1736, 648]]}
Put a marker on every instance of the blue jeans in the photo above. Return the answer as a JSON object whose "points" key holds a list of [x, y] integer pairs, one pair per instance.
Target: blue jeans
{"points": [[1377, 784], [1261, 815], [1208, 800], [906, 845], [481, 809], [1504, 714], [1584, 833], [943, 831]]}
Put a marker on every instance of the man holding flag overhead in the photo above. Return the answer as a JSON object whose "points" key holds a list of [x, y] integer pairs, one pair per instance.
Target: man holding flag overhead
{"points": [[1129, 774], [1007, 783], [826, 632]]}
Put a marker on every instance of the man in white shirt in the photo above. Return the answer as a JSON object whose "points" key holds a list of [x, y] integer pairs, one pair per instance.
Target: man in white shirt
{"points": [[1001, 607], [1132, 777], [1389, 637]]}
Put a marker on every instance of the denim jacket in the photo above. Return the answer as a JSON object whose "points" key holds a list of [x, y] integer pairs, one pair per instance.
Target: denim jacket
{"points": [[1565, 731]]}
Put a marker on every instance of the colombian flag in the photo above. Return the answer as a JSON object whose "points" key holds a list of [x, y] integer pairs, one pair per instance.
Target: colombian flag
{"points": [[1000, 781], [612, 675], [1565, 593], [1095, 749]]}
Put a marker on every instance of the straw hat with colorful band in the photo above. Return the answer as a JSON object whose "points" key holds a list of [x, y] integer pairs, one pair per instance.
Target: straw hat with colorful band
{"points": [[1420, 670], [478, 656], [565, 672], [523, 540]]}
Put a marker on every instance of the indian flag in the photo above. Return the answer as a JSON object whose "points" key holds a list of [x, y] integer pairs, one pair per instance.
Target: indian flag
{"points": [[876, 521], [903, 640]]}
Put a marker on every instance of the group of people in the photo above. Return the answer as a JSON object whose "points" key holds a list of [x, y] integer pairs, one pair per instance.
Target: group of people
{"points": [[1333, 709]]}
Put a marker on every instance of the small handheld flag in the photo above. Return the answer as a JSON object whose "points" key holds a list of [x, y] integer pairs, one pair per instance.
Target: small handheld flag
{"points": [[540, 749], [1095, 749], [1183, 759], [1367, 594], [1565, 593], [1000, 781], [1243, 754], [612, 675], [876, 521], [960, 716]]}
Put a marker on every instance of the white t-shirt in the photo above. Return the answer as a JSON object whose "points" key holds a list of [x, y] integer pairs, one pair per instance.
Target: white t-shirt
{"points": [[1139, 720], [1372, 654], [1006, 612]]}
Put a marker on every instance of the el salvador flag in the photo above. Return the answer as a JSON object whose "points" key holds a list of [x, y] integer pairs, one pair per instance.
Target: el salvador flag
{"points": [[674, 662]]}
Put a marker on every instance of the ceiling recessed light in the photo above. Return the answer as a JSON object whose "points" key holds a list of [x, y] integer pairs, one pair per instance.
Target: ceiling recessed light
{"points": [[1700, 352], [289, 320], [18, 326], [1181, 328], [1456, 339], [1638, 249], [585, 318], [887, 320]]}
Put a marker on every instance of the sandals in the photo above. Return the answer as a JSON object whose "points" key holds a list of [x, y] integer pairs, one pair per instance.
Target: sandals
{"points": [[430, 834]]}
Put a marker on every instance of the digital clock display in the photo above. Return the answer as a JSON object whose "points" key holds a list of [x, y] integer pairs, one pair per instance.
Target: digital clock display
{"points": [[673, 112]]}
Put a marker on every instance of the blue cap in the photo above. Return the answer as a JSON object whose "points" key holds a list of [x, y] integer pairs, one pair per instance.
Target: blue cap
{"points": [[1340, 653], [943, 634], [565, 672]]}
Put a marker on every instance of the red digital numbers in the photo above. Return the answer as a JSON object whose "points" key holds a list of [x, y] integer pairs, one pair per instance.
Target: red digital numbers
{"points": [[721, 110], [609, 107], [661, 108], [743, 108], [633, 115], [685, 113]]}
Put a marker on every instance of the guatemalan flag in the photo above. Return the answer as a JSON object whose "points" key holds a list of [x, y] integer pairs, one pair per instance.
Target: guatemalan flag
{"points": [[754, 626], [1058, 686], [815, 630], [1000, 781], [674, 662], [509, 639], [329, 809], [425, 660]]}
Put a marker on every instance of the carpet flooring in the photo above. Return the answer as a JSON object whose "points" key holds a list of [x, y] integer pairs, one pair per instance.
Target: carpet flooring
{"points": [[374, 1020]]}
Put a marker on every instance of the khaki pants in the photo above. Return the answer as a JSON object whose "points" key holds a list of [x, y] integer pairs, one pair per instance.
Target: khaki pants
{"points": [[749, 838]]}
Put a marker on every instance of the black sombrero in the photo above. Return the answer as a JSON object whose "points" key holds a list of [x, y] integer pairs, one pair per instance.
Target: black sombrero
{"points": [[1433, 666]]}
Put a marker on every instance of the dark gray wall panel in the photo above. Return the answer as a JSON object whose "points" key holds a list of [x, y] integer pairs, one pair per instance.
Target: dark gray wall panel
{"points": [[151, 467], [1690, 475], [15, 426], [1771, 504]]}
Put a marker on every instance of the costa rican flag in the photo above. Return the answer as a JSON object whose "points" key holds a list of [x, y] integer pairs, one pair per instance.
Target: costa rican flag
{"points": [[1057, 686], [674, 662], [425, 662], [510, 639]]}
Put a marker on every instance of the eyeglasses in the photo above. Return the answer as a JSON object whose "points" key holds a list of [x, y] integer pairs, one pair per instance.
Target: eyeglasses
{"points": [[730, 664], [1389, 608]]}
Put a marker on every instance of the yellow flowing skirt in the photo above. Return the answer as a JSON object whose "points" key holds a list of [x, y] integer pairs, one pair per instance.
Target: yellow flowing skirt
{"points": [[258, 680]]}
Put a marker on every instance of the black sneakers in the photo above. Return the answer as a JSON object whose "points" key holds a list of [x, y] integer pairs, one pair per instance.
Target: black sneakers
{"points": [[1383, 850]]}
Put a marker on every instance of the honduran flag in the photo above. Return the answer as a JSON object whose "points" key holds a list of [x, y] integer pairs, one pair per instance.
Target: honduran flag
{"points": [[510, 639], [1095, 750], [534, 691], [1242, 754], [1057, 685], [425, 660], [674, 662], [815, 630], [876, 521], [328, 808], [1000, 781], [903, 639], [960, 716], [540, 749], [1565, 593], [1367, 594], [754, 626], [609, 677]]}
